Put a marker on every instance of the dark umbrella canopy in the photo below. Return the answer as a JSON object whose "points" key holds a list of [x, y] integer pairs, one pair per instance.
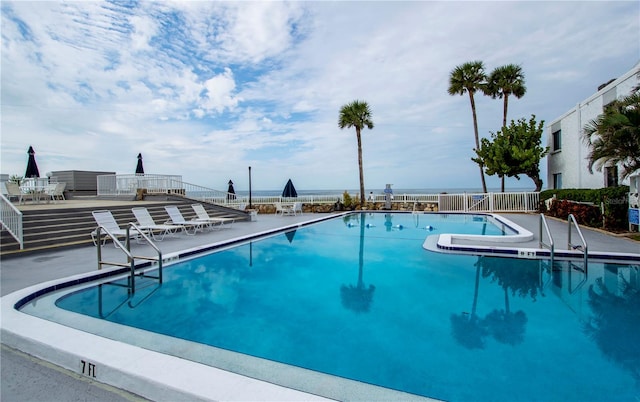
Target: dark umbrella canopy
{"points": [[139, 168], [32, 167], [231, 192], [289, 190]]}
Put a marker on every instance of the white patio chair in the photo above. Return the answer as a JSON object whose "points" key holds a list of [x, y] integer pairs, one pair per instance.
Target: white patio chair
{"points": [[157, 231], [105, 219], [297, 208], [176, 218], [212, 222], [57, 193], [282, 209]]}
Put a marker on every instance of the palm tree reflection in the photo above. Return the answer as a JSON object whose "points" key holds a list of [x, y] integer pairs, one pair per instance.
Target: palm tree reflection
{"points": [[615, 324], [468, 330], [358, 298], [504, 325]]}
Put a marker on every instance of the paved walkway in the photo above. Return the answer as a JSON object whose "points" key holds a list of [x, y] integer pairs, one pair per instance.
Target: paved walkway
{"points": [[25, 378]]}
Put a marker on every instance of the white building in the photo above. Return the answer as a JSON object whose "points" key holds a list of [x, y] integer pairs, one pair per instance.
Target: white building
{"points": [[567, 164]]}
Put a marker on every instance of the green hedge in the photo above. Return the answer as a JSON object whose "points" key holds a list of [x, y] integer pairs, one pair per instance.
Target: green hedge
{"points": [[615, 200]]}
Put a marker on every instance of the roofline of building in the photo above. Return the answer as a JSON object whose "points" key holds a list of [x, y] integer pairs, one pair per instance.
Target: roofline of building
{"points": [[633, 71]]}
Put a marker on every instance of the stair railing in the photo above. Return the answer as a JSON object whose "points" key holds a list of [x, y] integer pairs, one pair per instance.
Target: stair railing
{"points": [[549, 245], [583, 247], [126, 249], [11, 220]]}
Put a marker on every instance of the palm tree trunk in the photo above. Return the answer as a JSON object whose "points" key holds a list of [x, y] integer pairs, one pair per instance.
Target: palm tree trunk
{"points": [[505, 106], [360, 166], [475, 130]]}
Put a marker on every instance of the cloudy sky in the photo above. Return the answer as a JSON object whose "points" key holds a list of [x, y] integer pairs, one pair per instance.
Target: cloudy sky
{"points": [[206, 89]]}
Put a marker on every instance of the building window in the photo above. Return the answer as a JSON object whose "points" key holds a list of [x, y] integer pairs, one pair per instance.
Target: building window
{"points": [[557, 181], [611, 176], [557, 140]]}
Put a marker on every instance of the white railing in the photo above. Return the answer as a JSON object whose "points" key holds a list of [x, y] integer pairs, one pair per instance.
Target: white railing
{"points": [[118, 185], [489, 202], [128, 184], [11, 219]]}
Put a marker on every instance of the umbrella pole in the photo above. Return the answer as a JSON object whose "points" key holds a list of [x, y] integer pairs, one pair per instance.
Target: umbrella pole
{"points": [[250, 207]]}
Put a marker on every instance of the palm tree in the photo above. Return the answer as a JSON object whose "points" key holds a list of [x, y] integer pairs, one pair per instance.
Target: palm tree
{"points": [[504, 81], [614, 136], [470, 77], [357, 114]]}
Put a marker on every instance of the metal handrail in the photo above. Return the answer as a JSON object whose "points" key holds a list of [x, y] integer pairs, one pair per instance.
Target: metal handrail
{"points": [[583, 246], [550, 246], [126, 249]]}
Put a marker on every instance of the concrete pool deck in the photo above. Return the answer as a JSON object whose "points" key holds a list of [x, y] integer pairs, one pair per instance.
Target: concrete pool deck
{"points": [[28, 378]]}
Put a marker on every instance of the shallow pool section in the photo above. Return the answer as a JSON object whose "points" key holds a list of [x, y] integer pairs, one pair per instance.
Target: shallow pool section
{"points": [[359, 298]]}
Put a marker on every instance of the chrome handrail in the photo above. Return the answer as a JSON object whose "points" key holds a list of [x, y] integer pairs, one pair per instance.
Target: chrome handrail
{"points": [[550, 245], [126, 249], [583, 246]]}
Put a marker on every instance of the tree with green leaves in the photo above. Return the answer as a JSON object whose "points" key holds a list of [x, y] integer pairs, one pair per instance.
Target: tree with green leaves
{"points": [[469, 78], [614, 136], [502, 82], [357, 114], [514, 150]]}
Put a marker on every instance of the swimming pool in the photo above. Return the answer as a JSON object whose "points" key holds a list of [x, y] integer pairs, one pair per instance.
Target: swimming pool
{"points": [[359, 298]]}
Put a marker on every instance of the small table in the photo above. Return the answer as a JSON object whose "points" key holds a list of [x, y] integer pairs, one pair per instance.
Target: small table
{"points": [[34, 191]]}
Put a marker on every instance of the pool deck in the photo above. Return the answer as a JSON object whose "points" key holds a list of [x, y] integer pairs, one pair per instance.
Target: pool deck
{"points": [[26, 377]]}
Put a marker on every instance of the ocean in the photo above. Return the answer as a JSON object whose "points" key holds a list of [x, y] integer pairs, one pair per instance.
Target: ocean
{"points": [[377, 191]]}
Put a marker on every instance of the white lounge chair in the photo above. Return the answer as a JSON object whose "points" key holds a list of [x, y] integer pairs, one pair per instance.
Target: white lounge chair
{"points": [[297, 208], [157, 231], [13, 191], [212, 222], [113, 230], [176, 218]]}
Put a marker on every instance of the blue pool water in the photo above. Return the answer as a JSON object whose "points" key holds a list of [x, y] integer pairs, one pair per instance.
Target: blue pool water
{"points": [[360, 298]]}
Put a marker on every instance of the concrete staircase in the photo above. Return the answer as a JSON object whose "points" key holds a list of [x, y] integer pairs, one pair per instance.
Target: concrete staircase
{"points": [[44, 229]]}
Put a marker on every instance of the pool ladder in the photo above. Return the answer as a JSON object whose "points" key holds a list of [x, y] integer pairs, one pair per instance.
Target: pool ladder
{"points": [[131, 259], [572, 223]]}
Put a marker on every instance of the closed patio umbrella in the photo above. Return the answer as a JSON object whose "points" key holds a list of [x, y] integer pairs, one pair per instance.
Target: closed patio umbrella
{"points": [[289, 190], [139, 167], [32, 167], [231, 192]]}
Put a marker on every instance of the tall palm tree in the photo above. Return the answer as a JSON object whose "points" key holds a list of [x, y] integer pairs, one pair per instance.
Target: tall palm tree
{"points": [[502, 82], [357, 114], [614, 136], [470, 78]]}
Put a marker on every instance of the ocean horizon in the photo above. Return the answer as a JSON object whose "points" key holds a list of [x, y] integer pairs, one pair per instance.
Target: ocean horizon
{"points": [[378, 191]]}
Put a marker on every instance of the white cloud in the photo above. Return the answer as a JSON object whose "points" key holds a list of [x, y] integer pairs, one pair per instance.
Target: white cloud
{"points": [[206, 89], [220, 92]]}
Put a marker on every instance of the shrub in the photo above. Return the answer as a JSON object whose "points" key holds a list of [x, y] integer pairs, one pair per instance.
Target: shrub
{"points": [[614, 200], [585, 214], [347, 199]]}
